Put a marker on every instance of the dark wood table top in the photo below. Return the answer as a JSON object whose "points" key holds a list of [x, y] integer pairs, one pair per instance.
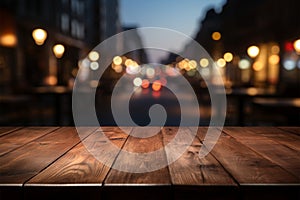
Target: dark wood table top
{"points": [[246, 163]]}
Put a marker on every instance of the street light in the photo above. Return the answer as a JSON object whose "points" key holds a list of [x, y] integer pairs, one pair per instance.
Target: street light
{"points": [[39, 35], [253, 51], [228, 57], [216, 36], [58, 50], [297, 45]]}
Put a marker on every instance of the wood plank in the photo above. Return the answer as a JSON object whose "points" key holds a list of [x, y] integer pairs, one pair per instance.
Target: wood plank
{"points": [[189, 169], [192, 176], [21, 137], [288, 139], [139, 145], [79, 166], [295, 130], [78, 174], [8, 129], [283, 156], [18, 166], [245, 165], [148, 185]]}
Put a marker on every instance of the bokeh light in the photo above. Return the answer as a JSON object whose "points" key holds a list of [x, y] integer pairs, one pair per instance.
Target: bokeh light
{"points": [[117, 60], [297, 45], [216, 36], [257, 66], [289, 64], [244, 64], [274, 59], [192, 64], [221, 62], [150, 72], [275, 49], [93, 56], [128, 62], [39, 35], [204, 62], [228, 57], [156, 85], [94, 65], [288, 46], [118, 68], [58, 50], [298, 64], [137, 82], [51, 80], [253, 51], [145, 83], [9, 40]]}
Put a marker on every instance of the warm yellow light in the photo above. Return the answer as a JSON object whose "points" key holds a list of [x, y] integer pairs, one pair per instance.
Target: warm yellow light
{"points": [[117, 60], [204, 62], [156, 85], [253, 51], [128, 62], [275, 49], [221, 62], [274, 59], [257, 66], [192, 64], [58, 50], [39, 36], [186, 65], [118, 68], [297, 45], [8, 40], [228, 57], [252, 91], [94, 56], [216, 35], [51, 80]]}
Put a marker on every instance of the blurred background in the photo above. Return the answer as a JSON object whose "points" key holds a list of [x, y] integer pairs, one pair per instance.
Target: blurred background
{"points": [[255, 45]]}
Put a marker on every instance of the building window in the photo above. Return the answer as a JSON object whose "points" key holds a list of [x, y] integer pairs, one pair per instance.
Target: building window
{"points": [[77, 29], [80, 31], [74, 25], [65, 22]]}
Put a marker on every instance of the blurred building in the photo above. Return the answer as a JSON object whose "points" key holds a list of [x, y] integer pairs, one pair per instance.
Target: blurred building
{"points": [[78, 25], [25, 63], [272, 26]]}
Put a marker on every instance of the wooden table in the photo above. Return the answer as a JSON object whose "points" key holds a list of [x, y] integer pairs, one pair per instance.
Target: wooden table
{"points": [[246, 163]]}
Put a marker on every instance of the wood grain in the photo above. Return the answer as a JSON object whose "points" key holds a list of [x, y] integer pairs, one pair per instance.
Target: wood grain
{"points": [[79, 166], [20, 165], [286, 138], [139, 145], [247, 166], [295, 130], [245, 163], [148, 185], [283, 156], [5, 130], [189, 169], [23, 136]]}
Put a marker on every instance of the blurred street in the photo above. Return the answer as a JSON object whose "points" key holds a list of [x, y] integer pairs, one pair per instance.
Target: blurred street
{"points": [[250, 49]]}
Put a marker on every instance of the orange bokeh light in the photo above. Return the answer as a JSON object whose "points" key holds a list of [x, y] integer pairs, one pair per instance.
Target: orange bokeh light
{"points": [[145, 83], [156, 85], [9, 40]]}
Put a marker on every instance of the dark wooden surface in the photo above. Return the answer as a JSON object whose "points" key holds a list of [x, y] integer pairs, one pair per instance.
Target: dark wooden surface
{"points": [[246, 163]]}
